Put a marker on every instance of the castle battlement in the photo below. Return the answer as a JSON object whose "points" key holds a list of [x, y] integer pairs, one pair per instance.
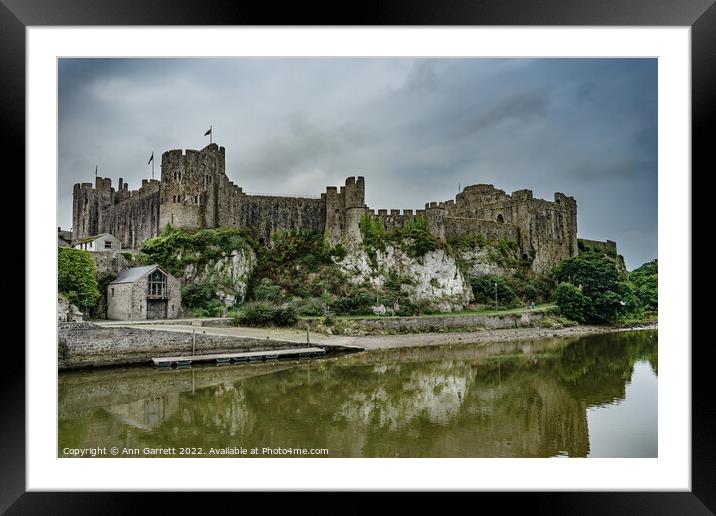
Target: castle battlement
{"points": [[212, 147], [195, 192]]}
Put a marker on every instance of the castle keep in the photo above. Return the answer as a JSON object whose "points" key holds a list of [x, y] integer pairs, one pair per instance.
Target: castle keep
{"points": [[195, 192]]}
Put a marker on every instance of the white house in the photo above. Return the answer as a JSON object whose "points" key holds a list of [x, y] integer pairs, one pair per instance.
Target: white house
{"points": [[103, 242]]}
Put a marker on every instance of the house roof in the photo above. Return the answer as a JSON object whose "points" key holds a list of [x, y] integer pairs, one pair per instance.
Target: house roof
{"points": [[134, 273], [94, 237]]}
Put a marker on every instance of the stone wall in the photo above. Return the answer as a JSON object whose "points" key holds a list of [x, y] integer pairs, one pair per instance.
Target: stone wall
{"points": [[82, 345], [264, 215], [195, 192], [119, 302], [441, 323], [130, 216], [547, 229], [608, 247], [109, 261], [489, 230], [136, 218]]}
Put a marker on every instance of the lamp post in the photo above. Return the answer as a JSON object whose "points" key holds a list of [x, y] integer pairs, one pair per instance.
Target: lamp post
{"points": [[497, 306]]}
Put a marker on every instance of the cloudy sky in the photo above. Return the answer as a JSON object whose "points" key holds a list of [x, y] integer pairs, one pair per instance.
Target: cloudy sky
{"points": [[415, 128]]}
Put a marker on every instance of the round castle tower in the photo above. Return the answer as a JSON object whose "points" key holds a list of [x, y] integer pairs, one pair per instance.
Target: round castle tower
{"points": [[189, 187]]}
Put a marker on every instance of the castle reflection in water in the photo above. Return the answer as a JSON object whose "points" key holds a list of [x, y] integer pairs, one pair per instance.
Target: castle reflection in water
{"points": [[520, 399]]}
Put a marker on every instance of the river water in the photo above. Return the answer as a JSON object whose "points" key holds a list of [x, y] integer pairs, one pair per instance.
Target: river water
{"points": [[581, 397]]}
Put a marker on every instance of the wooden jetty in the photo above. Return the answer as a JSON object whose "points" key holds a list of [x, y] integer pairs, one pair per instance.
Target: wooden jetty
{"points": [[246, 356]]}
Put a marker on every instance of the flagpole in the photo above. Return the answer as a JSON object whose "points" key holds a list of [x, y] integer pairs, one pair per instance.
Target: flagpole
{"points": [[151, 160], [211, 134]]}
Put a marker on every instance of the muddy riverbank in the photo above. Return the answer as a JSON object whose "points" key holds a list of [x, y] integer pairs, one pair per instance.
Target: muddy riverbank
{"points": [[369, 342]]}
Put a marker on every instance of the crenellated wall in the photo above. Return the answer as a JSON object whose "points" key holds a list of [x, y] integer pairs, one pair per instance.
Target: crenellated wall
{"points": [[136, 218], [343, 211], [608, 247], [547, 229], [131, 216], [195, 192], [191, 182]]}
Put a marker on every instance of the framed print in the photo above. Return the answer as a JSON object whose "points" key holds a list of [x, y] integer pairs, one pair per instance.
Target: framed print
{"points": [[417, 254]]}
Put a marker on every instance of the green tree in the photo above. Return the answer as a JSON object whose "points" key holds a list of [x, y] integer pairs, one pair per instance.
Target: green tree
{"points": [[198, 295], [645, 280], [573, 304], [76, 278], [600, 278], [483, 287], [265, 314]]}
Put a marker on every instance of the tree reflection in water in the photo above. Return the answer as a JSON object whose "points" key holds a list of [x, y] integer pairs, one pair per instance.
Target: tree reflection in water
{"points": [[519, 399]]}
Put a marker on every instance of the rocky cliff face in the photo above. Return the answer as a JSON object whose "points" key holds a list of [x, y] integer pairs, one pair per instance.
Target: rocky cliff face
{"points": [[434, 278], [481, 261], [230, 275], [67, 312]]}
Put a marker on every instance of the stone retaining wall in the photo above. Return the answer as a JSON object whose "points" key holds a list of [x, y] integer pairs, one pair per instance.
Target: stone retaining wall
{"points": [[421, 324], [88, 346]]}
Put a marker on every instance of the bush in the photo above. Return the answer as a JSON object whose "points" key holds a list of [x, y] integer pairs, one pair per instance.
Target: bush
{"points": [[201, 299], [339, 252], [538, 289], [76, 279], [285, 316], [645, 280], [416, 239], [311, 307], [413, 238], [483, 288], [601, 280], [289, 267], [572, 303], [358, 303], [372, 230], [198, 295], [215, 308], [265, 314], [265, 291], [200, 312], [104, 280], [175, 248]]}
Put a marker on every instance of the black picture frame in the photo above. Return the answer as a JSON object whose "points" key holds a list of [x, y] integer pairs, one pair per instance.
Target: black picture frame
{"points": [[16, 15]]}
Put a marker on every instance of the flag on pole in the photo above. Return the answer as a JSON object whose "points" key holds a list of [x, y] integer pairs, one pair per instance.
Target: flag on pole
{"points": [[95, 171], [151, 159], [207, 133]]}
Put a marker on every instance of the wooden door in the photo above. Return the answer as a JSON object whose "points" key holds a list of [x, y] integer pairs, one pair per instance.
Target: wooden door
{"points": [[156, 309]]}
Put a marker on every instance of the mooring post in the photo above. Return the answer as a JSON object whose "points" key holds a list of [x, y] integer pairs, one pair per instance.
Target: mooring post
{"points": [[308, 333], [193, 342]]}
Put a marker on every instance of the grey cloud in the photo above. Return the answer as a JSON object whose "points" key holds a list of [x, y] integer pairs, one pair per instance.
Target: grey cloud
{"points": [[416, 128]]}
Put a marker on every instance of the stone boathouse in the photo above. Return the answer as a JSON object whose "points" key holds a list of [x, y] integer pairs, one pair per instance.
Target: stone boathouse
{"points": [[147, 292]]}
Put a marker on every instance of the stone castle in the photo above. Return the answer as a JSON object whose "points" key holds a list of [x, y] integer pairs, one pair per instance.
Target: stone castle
{"points": [[195, 192]]}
